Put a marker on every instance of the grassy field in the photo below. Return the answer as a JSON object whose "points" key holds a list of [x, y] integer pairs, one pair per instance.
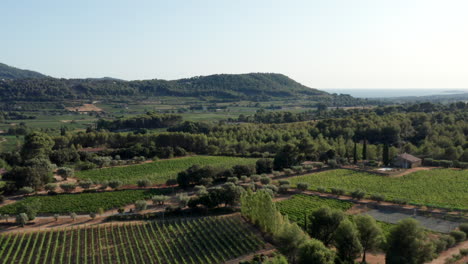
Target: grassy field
{"points": [[82, 203], [300, 206], [439, 187], [159, 171], [200, 240]]}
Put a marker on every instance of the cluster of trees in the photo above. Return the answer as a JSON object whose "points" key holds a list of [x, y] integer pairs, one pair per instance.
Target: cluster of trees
{"points": [[148, 120], [14, 116], [353, 237]]}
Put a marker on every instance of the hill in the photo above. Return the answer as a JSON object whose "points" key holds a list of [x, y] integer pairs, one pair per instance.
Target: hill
{"points": [[251, 86], [8, 72]]}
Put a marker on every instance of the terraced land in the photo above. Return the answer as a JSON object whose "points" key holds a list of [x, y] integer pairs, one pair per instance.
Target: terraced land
{"points": [[446, 188], [196, 240], [160, 171]]}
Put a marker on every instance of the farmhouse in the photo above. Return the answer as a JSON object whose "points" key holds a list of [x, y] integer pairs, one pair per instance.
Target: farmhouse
{"points": [[406, 161]]}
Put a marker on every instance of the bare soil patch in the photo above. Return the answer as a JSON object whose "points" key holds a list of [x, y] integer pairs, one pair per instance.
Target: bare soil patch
{"points": [[85, 108]]}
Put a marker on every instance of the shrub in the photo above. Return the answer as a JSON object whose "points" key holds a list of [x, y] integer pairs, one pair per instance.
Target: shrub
{"points": [[297, 169], [337, 191], [276, 173], [377, 197], [464, 228], [400, 201], [283, 188], [265, 180], [141, 205], [244, 178], [450, 241], [206, 181], [25, 190], [68, 187], [308, 168], [358, 194], [104, 185], [271, 187], [115, 184], [321, 189], [302, 186], [171, 182], [183, 199], [459, 236], [121, 210], [288, 172], [284, 182], [65, 172], [464, 252], [2, 199], [332, 163], [50, 187], [143, 183], [440, 246], [159, 199], [73, 216], [255, 177], [92, 215], [22, 219], [232, 179], [85, 184]]}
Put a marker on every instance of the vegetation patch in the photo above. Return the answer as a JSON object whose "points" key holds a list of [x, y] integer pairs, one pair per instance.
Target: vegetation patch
{"points": [[196, 240], [160, 171], [82, 203], [439, 187]]}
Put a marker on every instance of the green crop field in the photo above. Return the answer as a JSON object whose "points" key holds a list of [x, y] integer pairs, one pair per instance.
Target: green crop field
{"points": [[159, 171], [82, 203], [300, 206], [439, 187], [200, 240]]}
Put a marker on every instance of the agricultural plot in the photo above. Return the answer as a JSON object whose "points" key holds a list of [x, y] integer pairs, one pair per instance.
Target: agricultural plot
{"points": [[196, 240], [82, 203], [299, 206], [439, 187], [160, 171]]}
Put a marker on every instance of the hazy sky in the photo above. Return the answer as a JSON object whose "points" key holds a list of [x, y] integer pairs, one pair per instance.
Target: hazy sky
{"points": [[322, 44]]}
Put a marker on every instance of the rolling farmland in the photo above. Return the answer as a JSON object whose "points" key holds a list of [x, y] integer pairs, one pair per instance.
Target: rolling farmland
{"points": [[160, 171], [439, 187], [196, 240]]}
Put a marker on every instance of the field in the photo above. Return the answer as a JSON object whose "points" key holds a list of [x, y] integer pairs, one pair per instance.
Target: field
{"points": [[159, 171], [82, 203], [199, 240], [439, 187], [301, 205]]}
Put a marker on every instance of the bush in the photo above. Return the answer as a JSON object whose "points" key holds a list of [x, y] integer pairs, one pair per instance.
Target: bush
{"points": [[92, 215], [459, 236], [171, 182], [464, 252], [50, 187], [271, 187], [141, 205], [464, 228], [85, 184], [321, 189], [440, 246], [255, 177], [297, 169], [302, 186], [244, 178], [65, 172], [332, 163], [283, 188], [337, 191], [143, 183], [25, 190], [276, 173], [288, 172], [68, 187], [265, 180], [400, 201], [284, 182], [159, 199], [358, 194], [104, 185], [232, 179], [378, 197], [450, 241], [115, 184], [206, 181]]}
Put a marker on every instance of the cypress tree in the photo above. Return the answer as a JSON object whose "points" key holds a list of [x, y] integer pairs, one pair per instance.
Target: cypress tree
{"points": [[355, 153], [385, 155], [364, 150]]}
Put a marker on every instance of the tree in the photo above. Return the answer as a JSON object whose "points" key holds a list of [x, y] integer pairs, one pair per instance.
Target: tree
{"points": [[115, 184], [323, 222], [159, 199], [86, 184], [92, 215], [364, 150], [240, 170], [50, 187], [407, 243], [302, 186], [65, 172], [36, 144], [370, 234], [56, 217], [264, 166], [286, 157], [313, 251], [346, 241], [140, 205], [144, 183], [22, 219], [355, 158], [386, 155], [30, 208], [73, 216], [68, 187]]}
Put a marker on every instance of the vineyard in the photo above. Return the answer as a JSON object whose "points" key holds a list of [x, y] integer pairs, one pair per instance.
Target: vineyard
{"points": [[159, 171], [301, 205], [198, 240], [84, 202], [438, 187]]}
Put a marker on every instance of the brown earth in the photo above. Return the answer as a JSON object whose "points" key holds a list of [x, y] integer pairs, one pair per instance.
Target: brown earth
{"points": [[85, 108]]}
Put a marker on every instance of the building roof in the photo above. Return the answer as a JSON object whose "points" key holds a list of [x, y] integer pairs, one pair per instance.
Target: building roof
{"points": [[409, 157]]}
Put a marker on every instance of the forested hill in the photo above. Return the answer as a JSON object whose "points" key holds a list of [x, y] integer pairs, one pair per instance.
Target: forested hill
{"points": [[252, 86], [8, 72]]}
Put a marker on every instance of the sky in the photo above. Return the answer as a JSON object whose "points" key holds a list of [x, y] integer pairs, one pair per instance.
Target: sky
{"points": [[322, 44]]}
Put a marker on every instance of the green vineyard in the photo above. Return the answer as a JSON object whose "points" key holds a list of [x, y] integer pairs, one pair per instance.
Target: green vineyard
{"points": [[197, 240], [160, 171], [300, 206]]}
